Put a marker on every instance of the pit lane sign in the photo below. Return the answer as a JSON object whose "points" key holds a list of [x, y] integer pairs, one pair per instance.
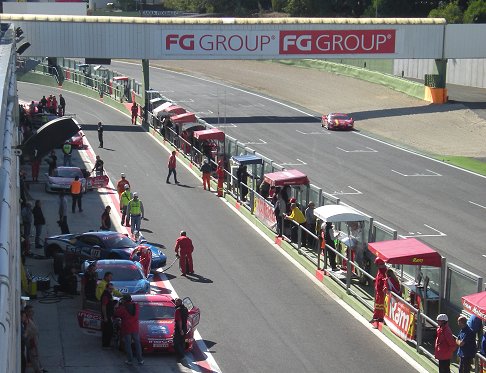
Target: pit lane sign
{"points": [[282, 43]]}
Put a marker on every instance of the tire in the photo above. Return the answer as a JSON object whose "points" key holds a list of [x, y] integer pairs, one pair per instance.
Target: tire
{"points": [[52, 250], [58, 263]]}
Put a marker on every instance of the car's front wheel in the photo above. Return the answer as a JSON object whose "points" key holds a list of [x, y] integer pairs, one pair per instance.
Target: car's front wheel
{"points": [[52, 250]]}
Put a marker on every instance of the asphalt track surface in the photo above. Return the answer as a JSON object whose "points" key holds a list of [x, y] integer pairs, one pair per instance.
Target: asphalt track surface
{"points": [[418, 196], [259, 313]]}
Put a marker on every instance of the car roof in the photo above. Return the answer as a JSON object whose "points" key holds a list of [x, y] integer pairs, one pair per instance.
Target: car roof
{"points": [[68, 168], [103, 233], [155, 298], [344, 114], [111, 262]]}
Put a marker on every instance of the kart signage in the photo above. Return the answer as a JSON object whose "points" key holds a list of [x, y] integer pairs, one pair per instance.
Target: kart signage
{"points": [[399, 317], [264, 212]]}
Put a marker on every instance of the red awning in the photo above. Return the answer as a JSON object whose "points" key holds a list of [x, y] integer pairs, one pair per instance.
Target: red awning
{"points": [[409, 251], [476, 304], [211, 134], [184, 118], [118, 78], [287, 177], [175, 110]]}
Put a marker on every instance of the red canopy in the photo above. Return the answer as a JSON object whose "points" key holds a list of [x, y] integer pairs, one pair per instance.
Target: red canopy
{"points": [[287, 177], [476, 304], [409, 251], [184, 118], [211, 134], [174, 109]]}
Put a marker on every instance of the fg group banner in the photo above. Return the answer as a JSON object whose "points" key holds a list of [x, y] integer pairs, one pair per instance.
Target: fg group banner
{"points": [[264, 212], [399, 317]]}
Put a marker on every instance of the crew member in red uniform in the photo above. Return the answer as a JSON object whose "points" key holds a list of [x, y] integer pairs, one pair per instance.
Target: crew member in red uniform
{"points": [[120, 185], [220, 173], [380, 287], [144, 257], [183, 249], [134, 111]]}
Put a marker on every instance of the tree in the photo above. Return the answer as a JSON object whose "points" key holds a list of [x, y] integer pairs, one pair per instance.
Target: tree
{"points": [[475, 12], [451, 12]]}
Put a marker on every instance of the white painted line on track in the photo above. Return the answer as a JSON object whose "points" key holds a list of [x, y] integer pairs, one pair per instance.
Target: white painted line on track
{"points": [[185, 101], [260, 142], [230, 125], [419, 234], [432, 173], [365, 150], [301, 163], [314, 133], [355, 191], [477, 204]]}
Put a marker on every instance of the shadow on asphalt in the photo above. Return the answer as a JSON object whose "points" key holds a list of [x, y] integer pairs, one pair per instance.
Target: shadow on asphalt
{"points": [[398, 112], [112, 128], [263, 119], [197, 278]]}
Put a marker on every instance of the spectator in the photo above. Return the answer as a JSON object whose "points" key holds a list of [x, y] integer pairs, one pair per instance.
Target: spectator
{"points": [[171, 165], [39, 222], [100, 134], [23, 325], [135, 209], [90, 280], [43, 103], [184, 249], [129, 313], [32, 341], [26, 213], [68, 281], [206, 174], [279, 208], [62, 105], [107, 311], [98, 166], [77, 194], [298, 217], [52, 162], [310, 224], [35, 166], [63, 224], [242, 180], [392, 283], [54, 105], [445, 344], [466, 341], [125, 199], [106, 219], [67, 150], [329, 235], [380, 287], [101, 287], [134, 111], [180, 328], [120, 185]]}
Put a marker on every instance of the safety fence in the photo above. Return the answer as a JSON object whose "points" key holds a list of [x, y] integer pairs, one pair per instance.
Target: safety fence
{"points": [[357, 271]]}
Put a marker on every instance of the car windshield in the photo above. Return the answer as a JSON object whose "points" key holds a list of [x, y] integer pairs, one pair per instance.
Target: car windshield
{"points": [[121, 272], [117, 241], [340, 117], [67, 173], [156, 311]]}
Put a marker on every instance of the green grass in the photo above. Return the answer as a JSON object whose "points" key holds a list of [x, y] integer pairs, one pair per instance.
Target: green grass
{"points": [[471, 164]]}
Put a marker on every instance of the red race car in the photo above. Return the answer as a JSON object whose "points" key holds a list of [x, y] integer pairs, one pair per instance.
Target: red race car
{"points": [[77, 140], [337, 121], [156, 322]]}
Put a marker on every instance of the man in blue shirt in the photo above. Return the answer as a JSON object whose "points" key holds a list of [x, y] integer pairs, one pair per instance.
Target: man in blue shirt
{"points": [[466, 340]]}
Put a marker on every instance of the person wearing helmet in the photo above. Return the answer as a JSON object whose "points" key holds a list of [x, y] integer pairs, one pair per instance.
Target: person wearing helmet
{"points": [[445, 344], [206, 174], [135, 210], [380, 288], [125, 198], [120, 185]]}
